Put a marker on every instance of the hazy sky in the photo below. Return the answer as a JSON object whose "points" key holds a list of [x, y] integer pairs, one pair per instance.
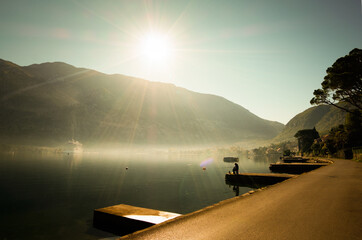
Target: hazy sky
{"points": [[267, 56]]}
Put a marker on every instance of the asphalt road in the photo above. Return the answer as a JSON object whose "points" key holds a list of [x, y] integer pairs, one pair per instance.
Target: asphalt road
{"points": [[322, 204]]}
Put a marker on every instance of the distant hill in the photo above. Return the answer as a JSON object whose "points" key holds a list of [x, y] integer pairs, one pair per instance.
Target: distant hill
{"points": [[54, 102], [322, 117]]}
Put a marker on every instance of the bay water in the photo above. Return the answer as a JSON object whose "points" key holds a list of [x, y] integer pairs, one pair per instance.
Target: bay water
{"points": [[52, 196]]}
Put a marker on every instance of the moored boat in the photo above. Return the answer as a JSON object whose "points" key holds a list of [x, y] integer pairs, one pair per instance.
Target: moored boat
{"points": [[231, 159]]}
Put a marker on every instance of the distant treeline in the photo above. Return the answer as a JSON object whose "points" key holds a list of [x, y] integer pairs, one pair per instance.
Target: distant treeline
{"points": [[6, 148], [285, 148]]}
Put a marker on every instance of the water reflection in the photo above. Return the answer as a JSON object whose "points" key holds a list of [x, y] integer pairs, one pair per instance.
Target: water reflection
{"points": [[267, 158], [252, 185], [53, 195], [72, 160], [236, 190]]}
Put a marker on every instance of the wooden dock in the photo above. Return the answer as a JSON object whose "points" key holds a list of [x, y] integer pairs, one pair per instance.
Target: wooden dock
{"points": [[256, 180], [296, 168], [125, 219]]}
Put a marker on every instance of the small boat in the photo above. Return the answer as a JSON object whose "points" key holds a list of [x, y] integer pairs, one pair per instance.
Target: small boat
{"points": [[231, 159], [73, 147]]}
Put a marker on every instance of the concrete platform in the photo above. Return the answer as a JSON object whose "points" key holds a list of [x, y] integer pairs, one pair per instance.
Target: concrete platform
{"points": [[295, 160], [256, 180], [295, 167], [125, 219]]}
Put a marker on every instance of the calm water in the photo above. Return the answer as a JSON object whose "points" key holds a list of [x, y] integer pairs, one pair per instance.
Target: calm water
{"points": [[52, 196]]}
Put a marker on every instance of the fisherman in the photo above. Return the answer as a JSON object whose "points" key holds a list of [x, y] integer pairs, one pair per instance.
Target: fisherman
{"points": [[236, 169]]}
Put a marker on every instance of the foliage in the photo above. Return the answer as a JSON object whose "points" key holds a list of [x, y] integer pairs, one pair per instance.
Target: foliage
{"points": [[276, 148], [343, 83], [341, 138], [342, 88], [287, 152], [260, 151], [316, 148], [353, 121], [306, 138]]}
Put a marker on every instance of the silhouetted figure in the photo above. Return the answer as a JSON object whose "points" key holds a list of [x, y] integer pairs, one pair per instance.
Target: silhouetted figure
{"points": [[236, 169]]}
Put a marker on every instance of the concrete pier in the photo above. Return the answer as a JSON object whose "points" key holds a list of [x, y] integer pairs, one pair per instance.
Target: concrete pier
{"points": [[256, 180], [125, 219], [295, 160], [295, 167]]}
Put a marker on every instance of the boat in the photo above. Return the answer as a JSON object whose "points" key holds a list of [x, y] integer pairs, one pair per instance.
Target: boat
{"points": [[73, 147], [231, 159]]}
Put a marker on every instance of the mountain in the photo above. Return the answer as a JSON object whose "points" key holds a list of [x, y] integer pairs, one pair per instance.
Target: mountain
{"points": [[322, 117], [55, 102]]}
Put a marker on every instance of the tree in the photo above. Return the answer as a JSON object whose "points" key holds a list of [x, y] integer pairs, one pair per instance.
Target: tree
{"points": [[306, 138], [353, 128], [343, 83], [316, 147], [287, 152], [354, 121]]}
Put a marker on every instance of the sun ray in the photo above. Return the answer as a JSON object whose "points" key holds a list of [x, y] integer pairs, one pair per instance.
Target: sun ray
{"points": [[91, 11], [48, 82], [179, 18]]}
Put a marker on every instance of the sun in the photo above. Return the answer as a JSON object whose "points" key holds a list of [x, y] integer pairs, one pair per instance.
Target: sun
{"points": [[156, 47]]}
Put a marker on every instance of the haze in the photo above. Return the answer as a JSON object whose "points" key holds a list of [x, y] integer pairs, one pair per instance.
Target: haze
{"points": [[267, 56]]}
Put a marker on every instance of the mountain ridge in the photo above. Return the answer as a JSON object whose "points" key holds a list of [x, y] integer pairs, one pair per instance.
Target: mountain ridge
{"points": [[322, 117], [60, 100]]}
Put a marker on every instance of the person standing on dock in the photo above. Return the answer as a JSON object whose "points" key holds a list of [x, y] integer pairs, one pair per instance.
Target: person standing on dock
{"points": [[236, 169]]}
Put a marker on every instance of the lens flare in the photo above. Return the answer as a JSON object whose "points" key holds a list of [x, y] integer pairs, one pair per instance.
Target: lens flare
{"points": [[206, 162]]}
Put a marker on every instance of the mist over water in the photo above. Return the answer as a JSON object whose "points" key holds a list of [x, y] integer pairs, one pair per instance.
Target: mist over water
{"points": [[47, 196]]}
